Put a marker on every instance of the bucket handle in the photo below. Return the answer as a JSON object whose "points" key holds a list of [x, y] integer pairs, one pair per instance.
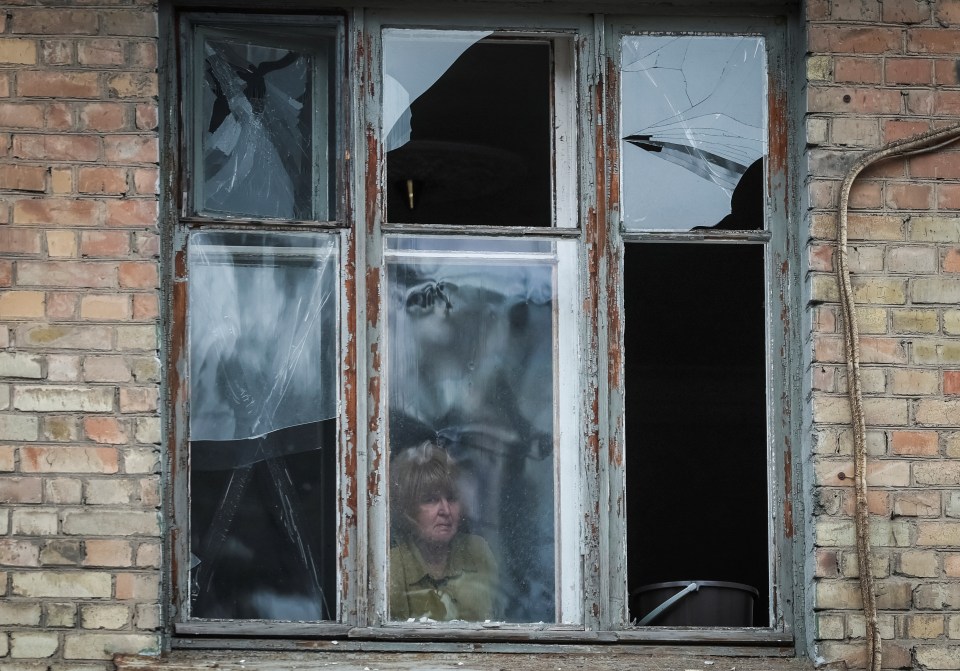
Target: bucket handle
{"points": [[655, 613]]}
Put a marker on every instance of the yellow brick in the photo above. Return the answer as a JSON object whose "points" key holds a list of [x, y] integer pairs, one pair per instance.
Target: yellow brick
{"points": [[924, 626], [935, 352], [61, 244], [22, 304], [951, 322], [915, 382], [105, 307], [916, 321], [23, 52], [818, 68], [935, 229]]}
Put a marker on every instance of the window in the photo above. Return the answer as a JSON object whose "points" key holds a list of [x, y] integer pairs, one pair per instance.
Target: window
{"points": [[473, 338]]}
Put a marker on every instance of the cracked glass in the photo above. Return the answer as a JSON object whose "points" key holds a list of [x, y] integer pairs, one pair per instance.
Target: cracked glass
{"points": [[263, 340], [262, 131], [693, 118]]}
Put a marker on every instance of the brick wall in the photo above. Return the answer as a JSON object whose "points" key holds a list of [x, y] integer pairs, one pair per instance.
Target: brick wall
{"points": [[879, 71], [79, 370]]}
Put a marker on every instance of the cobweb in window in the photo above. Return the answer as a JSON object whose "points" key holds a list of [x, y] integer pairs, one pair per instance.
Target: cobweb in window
{"points": [[693, 116]]}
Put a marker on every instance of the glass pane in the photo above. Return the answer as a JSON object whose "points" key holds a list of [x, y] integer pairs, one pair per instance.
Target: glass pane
{"points": [[262, 128], [467, 128], [693, 115], [474, 391], [696, 432], [263, 431]]}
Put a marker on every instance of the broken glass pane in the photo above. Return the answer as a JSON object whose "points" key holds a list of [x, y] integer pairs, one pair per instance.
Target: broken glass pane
{"points": [[693, 117], [473, 378], [263, 405], [262, 128], [467, 128]]}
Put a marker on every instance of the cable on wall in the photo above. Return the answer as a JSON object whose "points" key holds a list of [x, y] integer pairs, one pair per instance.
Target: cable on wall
{"points": [[918, 144]]}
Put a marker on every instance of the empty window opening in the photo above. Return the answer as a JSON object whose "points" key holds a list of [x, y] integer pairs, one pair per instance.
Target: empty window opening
{"points": [[695, 420]]}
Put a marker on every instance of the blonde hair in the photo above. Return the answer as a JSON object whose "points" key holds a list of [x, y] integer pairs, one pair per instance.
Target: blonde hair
{"points": [[416, 473]]}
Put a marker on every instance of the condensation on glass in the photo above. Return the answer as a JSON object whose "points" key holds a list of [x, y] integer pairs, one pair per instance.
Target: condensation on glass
{"points": [[693, 118], [263, 139], [263, 342], [480, 360], [467, 128]]}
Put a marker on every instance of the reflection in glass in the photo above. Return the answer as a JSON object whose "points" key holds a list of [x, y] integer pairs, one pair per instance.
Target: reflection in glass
{"points": [[693, 117], [471, 368], [261, 106], [467, 128], [263, 406]]}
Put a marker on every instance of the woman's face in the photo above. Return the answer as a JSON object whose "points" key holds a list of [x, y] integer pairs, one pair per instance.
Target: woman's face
{"points": [[438, 518]]}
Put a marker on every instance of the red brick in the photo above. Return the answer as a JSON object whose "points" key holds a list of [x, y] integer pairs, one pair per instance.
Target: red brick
{"points": [[102, 180], [951, 261], [862, 11], [921, 103], [898, 130], [858, 70], [57, 52], [61, 211], [948, 102], [59, 116], [21, 490], [147, 245], [145, 307], [909, 196], [132, 85], [947, 71], [66, 274], [951, 382], [21, 115], [908, 71], [146, 117], [54, 22], [905, 11], [917, 443], [854, 40], [23, 178], [58, 84], [105, 430], [817, 9], [104, 243], [61, 305], [133, 23], [56, 147], [131, 149], [143, 55], [100, 52], [6, 273], [19, 241], [132, 212], [937, 165], [138, 275], [932, 41], [146, 181], [68, 459], [865, 195], [862, 101], [102, 117], [948, 12]]}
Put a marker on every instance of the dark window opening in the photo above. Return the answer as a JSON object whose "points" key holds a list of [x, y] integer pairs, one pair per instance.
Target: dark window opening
{"points": [[695, 419], [479, 147]]}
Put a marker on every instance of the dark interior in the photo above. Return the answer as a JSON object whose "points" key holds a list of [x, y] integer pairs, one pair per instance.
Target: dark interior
{"points": [[695, 416], [479, 150]]}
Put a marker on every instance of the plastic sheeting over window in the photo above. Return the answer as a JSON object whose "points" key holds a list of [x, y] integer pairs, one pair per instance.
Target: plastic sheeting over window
{"points": [[263, 330], [473, 342], [694, 117], [263, 132]]}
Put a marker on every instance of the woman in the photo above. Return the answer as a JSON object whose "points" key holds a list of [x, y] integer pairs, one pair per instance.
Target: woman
{"points": [[437, 571]]}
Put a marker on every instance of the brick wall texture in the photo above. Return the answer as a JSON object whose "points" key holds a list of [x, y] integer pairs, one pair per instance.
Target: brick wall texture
{"points": [[79, 366], [80, 556], [876, 72]]}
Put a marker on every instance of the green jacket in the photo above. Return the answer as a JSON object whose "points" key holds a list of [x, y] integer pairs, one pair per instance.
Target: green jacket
{"points": [[467, 590]]}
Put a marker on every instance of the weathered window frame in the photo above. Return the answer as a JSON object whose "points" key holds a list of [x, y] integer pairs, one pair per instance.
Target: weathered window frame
{"points": [[593, 193]]}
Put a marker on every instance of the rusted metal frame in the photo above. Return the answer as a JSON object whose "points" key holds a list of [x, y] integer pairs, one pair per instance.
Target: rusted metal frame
{"points": [[718, 237]]}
